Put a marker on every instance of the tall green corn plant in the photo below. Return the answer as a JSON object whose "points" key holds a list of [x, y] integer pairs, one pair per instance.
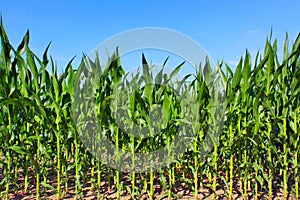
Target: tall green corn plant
{"points": [[12, 101], [246, 102], [60, 106], [295, 109], [294, 100], [25, 96], [233, 103], [5, 91], [39, 119], [200, 93], [288, 78]]}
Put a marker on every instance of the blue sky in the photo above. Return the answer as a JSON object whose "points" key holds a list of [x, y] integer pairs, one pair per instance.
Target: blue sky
{"points": [[224, 28]]}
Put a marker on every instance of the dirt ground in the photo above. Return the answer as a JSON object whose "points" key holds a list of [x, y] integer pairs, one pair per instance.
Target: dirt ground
{"points": [[180, 191]]}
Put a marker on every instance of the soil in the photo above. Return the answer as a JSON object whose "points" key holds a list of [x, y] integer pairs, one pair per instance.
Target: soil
{"points": [[180, 190]]}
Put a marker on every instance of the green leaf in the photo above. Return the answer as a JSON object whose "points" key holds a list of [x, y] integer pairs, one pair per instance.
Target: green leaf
{"points": [[158, 78], [237, 76], [45, 57], [246, 72], [146, 70], [166, 109], [48, 186], [176, 70], [19, 150], [32, 66], [24, 43]]}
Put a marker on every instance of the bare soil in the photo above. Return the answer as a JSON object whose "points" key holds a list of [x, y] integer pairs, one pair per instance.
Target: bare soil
{"points": [[181, 190]]}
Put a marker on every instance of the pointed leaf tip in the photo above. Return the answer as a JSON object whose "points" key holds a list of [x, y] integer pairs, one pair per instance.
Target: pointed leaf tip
{"points": [[144, 61]]}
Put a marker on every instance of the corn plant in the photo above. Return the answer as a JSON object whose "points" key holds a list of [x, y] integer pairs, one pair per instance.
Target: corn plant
{"points": [[256, 150]]}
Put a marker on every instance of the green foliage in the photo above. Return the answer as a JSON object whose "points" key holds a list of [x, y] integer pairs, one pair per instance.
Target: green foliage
{"points": [[258, 144]]}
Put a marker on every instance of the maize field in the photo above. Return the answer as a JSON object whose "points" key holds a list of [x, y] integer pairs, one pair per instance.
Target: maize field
{"points": [[255, 156]]}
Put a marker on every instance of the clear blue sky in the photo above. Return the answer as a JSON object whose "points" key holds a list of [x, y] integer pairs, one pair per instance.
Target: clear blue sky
{"points": [[224, 28]]}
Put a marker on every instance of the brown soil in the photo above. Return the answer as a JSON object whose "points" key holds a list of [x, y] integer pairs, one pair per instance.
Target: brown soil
{"points": [[181, 190]]}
